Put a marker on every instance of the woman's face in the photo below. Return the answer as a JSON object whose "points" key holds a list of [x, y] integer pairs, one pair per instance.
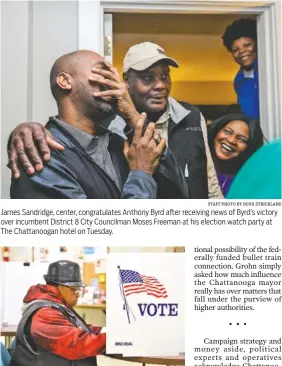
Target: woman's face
{"points": [[244, 52], [231, 140]]}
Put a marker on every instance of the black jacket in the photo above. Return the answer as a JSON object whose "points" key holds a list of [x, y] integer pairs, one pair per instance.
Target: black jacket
{"points": [[186, 141], [27, 353]]}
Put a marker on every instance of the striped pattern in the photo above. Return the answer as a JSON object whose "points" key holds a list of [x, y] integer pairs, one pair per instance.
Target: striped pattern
{"points": [[134, 283]]}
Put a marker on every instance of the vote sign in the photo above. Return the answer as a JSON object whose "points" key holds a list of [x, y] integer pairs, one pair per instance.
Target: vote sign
{"points": [[145, 299]]}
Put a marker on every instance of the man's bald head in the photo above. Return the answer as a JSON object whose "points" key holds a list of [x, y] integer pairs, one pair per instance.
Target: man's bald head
{"points": [[72, 64], [70, 85]]}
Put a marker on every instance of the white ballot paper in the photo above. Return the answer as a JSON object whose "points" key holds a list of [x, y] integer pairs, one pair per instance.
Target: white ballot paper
{"points": [[145, 304]]}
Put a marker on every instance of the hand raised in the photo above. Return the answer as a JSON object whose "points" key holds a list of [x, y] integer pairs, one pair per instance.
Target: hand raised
{"points": [[110, 79], [144, 153]]}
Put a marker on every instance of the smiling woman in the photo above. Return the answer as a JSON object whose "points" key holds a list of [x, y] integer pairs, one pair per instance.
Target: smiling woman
{"points": [[240, 39], [232, 139]]}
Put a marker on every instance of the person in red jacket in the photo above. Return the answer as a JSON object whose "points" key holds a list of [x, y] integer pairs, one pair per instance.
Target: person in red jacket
{"points": [[50, 331]]}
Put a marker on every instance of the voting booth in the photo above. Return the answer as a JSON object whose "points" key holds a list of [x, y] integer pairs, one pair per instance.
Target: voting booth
{"points": [[146, 304], [16, 278]]}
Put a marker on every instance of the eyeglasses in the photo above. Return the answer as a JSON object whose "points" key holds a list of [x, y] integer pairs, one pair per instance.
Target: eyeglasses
{"points": [[76, 290]]}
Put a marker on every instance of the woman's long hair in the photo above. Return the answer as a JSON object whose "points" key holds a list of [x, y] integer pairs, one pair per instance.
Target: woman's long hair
{"points": [[255, 141]]}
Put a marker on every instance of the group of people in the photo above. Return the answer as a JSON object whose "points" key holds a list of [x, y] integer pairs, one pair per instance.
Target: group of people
{"points": [[127, 137]]}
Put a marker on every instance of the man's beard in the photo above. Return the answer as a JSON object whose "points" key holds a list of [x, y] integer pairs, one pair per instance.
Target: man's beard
{"points": [[103, 107], [95, 109], [98, 110]]}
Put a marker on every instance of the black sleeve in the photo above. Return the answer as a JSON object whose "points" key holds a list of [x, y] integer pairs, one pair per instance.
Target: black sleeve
{"points": [[56, 180]]}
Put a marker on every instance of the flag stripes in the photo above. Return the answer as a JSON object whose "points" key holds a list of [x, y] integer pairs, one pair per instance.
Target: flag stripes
{"points": [[134, 283]]}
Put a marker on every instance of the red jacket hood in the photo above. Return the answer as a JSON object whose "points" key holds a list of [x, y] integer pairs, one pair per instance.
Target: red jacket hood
{"points": [[44, 292]]}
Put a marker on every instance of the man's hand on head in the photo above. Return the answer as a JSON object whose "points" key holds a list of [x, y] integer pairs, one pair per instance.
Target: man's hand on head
{"points": [[30, 145], [115, 88], [145, 151]]}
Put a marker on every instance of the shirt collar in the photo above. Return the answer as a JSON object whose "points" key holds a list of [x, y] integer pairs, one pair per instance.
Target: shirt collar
{"points": [[177, 111], [165, 116], [84, 139]]}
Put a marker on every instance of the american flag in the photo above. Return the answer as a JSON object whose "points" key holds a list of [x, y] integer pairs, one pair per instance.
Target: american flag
{"points": [[134, 282]]}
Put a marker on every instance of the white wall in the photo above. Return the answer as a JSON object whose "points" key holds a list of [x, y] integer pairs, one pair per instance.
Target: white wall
{"points": [[55, 32], [20, 254], [34, 35], [14, 63]]}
